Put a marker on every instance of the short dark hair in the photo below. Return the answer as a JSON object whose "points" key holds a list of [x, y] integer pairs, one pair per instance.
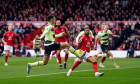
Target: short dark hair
{"points": [[50, 17]]}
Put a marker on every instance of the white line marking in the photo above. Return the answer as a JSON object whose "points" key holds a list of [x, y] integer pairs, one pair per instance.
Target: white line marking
{"points": [[80, 71]]}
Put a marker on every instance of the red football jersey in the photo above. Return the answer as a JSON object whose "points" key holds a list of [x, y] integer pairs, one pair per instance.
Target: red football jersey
{"points": [[9, 37], [85, 43], [58, 31]]}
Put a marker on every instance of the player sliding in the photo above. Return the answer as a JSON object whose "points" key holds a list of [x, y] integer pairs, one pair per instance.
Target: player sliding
{"points": [[85, 43], [50, 44], [36, 46], [8, 39], [104, 36], [60, 29]]}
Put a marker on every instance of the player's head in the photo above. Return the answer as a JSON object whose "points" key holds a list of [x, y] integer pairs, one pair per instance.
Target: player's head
{"points": [[10, 28], [58, 23], [102, 26], [51, 19], [86, 30], [106, 27]]}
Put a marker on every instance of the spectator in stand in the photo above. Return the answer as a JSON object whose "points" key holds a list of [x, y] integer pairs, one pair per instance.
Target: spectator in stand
{"points": [[22, 50], [1, 34], [16, 29], [1, 48], [130, 51]]}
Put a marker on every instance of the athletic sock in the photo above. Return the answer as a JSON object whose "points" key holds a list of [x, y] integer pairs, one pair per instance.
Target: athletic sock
{"points": [[6, 58], [95, 67], [72, 50], [66, 58], [53, 52], [39, 63], [75, 65], [111, 57], [102, 55], [59, 58], [103, 59]]}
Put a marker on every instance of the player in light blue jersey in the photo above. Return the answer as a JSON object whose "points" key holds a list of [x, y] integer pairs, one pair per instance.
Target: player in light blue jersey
{"points": [[50, 44]]}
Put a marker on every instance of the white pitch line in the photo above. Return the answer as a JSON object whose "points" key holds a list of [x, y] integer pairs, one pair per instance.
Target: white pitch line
{"points": [[80, 71]]}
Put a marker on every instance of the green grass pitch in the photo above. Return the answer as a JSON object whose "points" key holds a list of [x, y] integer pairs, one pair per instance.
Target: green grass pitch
{"points": [[15, 73]]}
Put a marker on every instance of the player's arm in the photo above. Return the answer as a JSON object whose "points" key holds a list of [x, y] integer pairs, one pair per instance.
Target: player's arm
{"points": [[3, 39], [78, 37], [60, 34], [91, 34], [112, 35], [80, 43], [67, 33], [96, 40]]}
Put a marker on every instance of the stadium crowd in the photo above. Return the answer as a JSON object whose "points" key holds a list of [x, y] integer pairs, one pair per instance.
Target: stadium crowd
{"points": [[74, 10], [70, 10], [74, 29]]}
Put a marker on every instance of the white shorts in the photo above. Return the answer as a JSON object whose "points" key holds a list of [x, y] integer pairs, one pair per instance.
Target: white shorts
{"points": [[99, 50], [8, 47], [87, 55]]}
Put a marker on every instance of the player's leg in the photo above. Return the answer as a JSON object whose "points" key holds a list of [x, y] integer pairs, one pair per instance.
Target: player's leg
{"points": [[72, 50], [6, 57], [109, 54], [77, 62], [66, 57], [59, 58], [45, 59], [104, 49], [94, 64]]}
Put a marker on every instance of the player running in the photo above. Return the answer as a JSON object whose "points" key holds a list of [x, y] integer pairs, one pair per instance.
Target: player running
{"points": [[60, 29], [85, 43], [104, 36], [99, 50], [8, 40], [50, 44], [36, 46]]}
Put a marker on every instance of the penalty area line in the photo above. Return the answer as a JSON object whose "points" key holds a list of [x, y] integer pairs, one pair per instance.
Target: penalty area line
{"points": [[80, 71]]}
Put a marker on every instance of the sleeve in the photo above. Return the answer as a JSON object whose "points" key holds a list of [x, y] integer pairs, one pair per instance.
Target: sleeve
{"points": [[58, 35], [99, 35], [45, 31], [91, 34], [109, 32], [81, 40], [80, 35]]}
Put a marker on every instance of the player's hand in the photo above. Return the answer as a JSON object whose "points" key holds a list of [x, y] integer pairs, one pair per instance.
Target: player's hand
{"points": [[70, 39], [94, 47], [64, 34], [117, 36], [5, 43]]}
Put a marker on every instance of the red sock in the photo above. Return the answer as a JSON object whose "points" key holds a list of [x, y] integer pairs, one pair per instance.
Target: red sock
{"points": [[59, 58], [75, 65], [6, 58], [103, 59], [95, 67], [53, 52], [66, 58]]}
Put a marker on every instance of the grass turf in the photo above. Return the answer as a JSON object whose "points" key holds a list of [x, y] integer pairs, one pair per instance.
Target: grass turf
{"points": [[15, 73]]}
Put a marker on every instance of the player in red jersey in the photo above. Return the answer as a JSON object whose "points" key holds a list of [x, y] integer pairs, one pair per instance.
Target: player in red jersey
{"points": [[60, 29], [85, 43], [8, 40]]}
